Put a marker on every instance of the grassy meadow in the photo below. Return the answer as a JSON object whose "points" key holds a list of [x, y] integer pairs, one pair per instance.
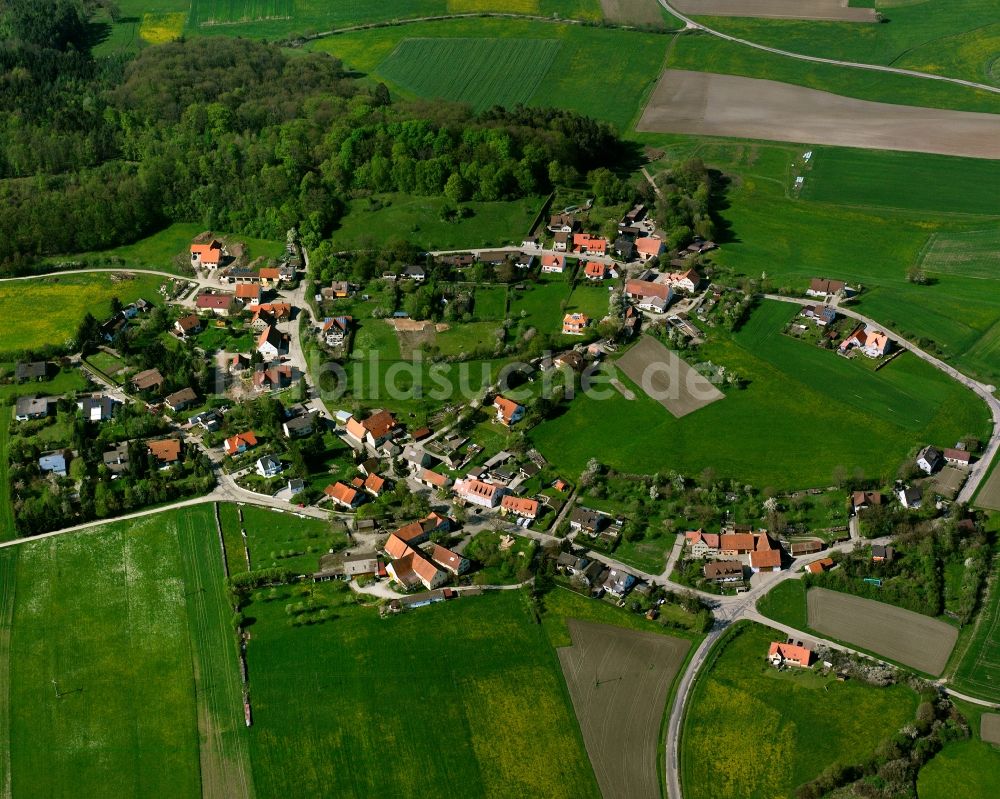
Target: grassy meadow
{"points": [[462, 687], [969, 769], [975, 664], [797, 395], [48, 310], [770, 731], [6, 509]]}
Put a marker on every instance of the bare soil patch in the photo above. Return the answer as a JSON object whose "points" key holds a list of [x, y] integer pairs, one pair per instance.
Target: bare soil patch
{"points": [[901, 635], [414, 335], [619, 680], [667, 378], [633, 12], [835, 10], [731, 105], [949, 480], [989, 492], [989, 728]]}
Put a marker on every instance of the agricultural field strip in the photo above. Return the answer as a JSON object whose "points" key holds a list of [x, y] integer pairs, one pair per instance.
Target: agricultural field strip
{"points": [[690, 23], [987, 643], [8, 565], [975, 254], [828, 10]]}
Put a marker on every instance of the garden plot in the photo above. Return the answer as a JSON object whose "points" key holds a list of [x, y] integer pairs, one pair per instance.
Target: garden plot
{"points": [[666, 378], [619, 680], [830, 10], [729, 105], [910, 638]]}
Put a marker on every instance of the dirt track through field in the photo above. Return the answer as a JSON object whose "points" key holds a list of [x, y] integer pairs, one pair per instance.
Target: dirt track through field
{"points": [[619, 680], [835, 10], [730, 105], [633, 12], [667, 378], [901, 635]]}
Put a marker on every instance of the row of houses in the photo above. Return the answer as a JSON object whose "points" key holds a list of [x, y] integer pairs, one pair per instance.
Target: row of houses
{"points": [[595, 575], [732, 551]]}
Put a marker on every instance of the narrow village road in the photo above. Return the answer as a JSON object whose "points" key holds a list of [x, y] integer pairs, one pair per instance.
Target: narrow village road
{"points": [[692, 25], [980, 469]]}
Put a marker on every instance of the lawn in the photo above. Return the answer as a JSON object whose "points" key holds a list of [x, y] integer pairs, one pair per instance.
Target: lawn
{"points": [[540, 304], [466, 337], [418, 219], [629, 61], [47, 311], [160, 250], [968, 769], [490, 303], [786, 604], [771, 731], [357, 705], [485, 73], [798, 389], [283, 540], [949, 37], [66, 381]]}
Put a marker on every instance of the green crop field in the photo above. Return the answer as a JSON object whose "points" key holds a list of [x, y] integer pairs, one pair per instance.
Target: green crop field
{"points": [[222, 12], [704, 53], [47, 310], [794, 391], [436, 702], [629, 61], [283, 540], [973, 254], [481, 72], [949, 37], [418, 219], [770, 731], [978, 658]]}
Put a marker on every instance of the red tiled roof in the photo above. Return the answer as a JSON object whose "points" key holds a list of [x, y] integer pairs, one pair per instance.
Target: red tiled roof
{"points": [[396, 547], [247, 291], [796, 654], [447, 558], [520, 505], [736, 542], [167, 450], [374, 483], [506, 407], [341, 493], [233, 443], [214, 301], [647, 245], [434, 478]]}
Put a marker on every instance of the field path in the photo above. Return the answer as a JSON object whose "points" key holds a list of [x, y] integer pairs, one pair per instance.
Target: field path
{"points": [[692, 25]]}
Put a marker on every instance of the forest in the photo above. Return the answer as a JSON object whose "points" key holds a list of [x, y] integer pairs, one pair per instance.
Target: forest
{"points": [[237, 135]]}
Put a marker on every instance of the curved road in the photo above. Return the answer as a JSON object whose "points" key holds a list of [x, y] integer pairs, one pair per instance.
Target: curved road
{"points": [[691, 24]]}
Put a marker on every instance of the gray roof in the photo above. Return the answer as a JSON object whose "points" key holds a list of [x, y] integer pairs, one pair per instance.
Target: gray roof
{"points": [[53, 462], [33, 406], [31, 371]]}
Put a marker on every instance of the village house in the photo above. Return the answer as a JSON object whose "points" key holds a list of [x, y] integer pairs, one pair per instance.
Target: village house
{"points": [[930, 459], [575, 324], [723, 571], [180, 400], [272, 376], [872, 342], [821, 287], [562, 223], [334, 329], [298, 426], [36, 370], [687, 280], [268, 466], [624, 248], [98, 408], [595, 270], [167, 451], [272, 343], [375, 485], [619, 582], [374, 431], [54, 463], [648, 247], [413, 272], [822, 315], [261, 320], [413, 568], [452, 561], [148, 380], [433, 480], [911, 498], [553, 264], [765, 556], [585, 243], [819, 566], [240, 443], [219, 304], [508, 411], [208, 256], [957, 457], [736, 544], [649, 296], [789, 654], [189, 325], [337, 290], [343, 495], [560, 242], [116, 459], [479, 493], [702, 545], [270, 276], [860, 500], [248, 293], [519, 506], [209, 421], [587, 520], [524, 260]]}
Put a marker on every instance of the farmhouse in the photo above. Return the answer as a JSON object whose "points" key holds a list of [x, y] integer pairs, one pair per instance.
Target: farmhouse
{"points": [[519, 506], [508, 411], [649, 296], [374, 431], [148, 380], [575, 324], [413, 569], [241, 442], [821, 287], [789, 654], [268, 466], [479, 493], [736, 544], [553, 263], [434, 480], [586, 243], [187, 326], [930, 459], [702, 545], [765, 556], [723, 571], [272, 343], [449, 560], [208, 255], [687, 280], [343, 495], [822, 315], [166, 450], [820, 566], [97, 408], [860, 500], [873, 343], [798, 548], [648, 247], [179, 400], [218, 304]]}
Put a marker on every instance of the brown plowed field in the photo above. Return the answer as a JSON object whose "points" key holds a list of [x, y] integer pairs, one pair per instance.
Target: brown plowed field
{"points": [[834, 10], [667, 378], [633, 12], [730, 105], [901, 635], [619, 680]]}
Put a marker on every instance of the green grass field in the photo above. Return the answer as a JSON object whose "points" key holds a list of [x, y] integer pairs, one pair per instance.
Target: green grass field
{"points": [[948, 37], [972, 254], [490, 303], [418, 220], [786, 604], [6, 509], [629, 61], [795, 392], [67, 381], [978, 659], [483, 72], [48, 310], [8, 573], [436, 702], [770, 731], [963, 768], [223, 12], [283, 540]]}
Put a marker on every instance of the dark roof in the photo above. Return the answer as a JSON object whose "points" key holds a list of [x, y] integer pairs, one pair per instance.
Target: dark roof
{"points": [[35, 370], [587, 518]]}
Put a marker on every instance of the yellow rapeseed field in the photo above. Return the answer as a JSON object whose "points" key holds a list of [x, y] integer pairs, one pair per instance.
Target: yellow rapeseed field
{"points": [[160, 28]]}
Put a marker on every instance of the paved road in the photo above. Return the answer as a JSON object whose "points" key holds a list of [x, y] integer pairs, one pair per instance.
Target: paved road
{"points": [[980, 469], [690, 23]]}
